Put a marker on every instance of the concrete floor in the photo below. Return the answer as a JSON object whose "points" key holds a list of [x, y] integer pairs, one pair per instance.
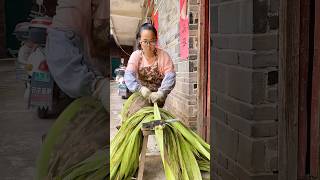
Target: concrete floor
{"points": [[20, 129]]}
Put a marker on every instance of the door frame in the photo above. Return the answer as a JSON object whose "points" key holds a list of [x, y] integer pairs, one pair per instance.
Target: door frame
{"points": [[295, 55], [289, 40], [315, 100], [203, 90]]}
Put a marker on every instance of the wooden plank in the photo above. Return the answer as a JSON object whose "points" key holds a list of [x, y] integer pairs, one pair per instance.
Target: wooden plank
{"points": [[143, 157], [314, 127], [303, 86], [206, 36], [201, 87], [208, 91], [288, 88], [203, 68]]}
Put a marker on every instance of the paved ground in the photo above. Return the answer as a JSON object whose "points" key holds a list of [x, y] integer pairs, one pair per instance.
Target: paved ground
{"points": [[20, 129]]}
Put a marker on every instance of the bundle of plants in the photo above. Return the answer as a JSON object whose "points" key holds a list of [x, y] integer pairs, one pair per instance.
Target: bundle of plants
{"points": [[184, 153]]}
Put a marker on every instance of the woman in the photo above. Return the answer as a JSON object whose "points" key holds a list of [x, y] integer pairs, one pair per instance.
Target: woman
{"points": [[150, 69], [76, 54]]}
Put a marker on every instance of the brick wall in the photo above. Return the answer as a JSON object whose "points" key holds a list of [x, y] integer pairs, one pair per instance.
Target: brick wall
{"points": [[182, 100], [2, 30], [244, 103]]}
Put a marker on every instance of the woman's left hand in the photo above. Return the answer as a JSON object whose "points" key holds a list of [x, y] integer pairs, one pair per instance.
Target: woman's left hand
{"points": [[158, 96]]}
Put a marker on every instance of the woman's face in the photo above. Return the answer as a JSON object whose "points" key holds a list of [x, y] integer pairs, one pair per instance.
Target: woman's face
{"points": [[148, 41]]}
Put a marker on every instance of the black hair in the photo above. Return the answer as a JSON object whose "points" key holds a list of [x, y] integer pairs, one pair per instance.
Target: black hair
{"points": [[145, 26]]}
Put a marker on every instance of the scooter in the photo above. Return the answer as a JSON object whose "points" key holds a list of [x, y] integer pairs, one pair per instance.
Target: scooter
{"points": [[41, 93]]}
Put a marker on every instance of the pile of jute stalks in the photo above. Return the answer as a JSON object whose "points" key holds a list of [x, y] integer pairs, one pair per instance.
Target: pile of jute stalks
{"points": [[184, 154]]}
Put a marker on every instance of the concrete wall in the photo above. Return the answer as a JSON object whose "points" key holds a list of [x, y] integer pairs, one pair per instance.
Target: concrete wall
{"points": [[182, 100], [244, 89], [2, 30]]}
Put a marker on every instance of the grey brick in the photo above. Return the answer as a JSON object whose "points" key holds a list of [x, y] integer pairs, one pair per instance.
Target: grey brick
{"points": [[246, 59], [243, 42], [238, 170], [190, 42], [193, 66], [222, 170], [273, 95], [273, 164], [226, 56], [259, 84], [193, 2], [259, 152], [222, 160], [265, 112], [194, 8], [265, 42], [244, 156], [193, 57], [214, 20], [214, 155], [193, 27], [218, 113], [214, 176], [219, 74], [251, 154], [193, 51], [224, 139], [220, 42], [272, 144], [229, 18], [218, 171], [226, 175], [267, 129], [183, 66], [213, 96], [239, 84], [191, 33], [239, 108], [258, 59], [261, 60], [246, 16], [260, 16], [239, 124]]}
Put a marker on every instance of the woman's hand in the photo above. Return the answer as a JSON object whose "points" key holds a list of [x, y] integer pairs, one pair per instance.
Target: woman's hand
{"points": [[158, 96], [145, 92]]}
